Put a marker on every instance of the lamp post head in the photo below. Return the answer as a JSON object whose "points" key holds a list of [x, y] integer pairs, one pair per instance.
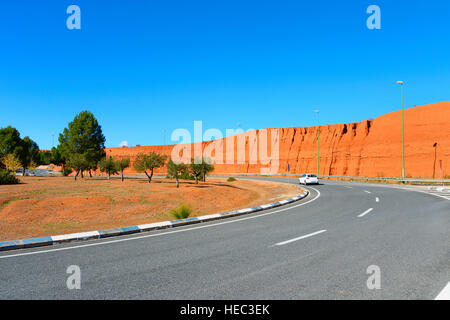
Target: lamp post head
{"points": [[400, 82]]}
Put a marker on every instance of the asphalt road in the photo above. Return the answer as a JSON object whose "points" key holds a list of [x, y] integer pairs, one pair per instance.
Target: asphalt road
{"points": [[318, 248]]}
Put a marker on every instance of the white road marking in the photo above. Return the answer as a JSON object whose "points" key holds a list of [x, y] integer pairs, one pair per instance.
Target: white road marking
{"points": [[367, 191], [365, 212], [426, 192], [161, 234], [299, 238], [348, 187], [444, 294], [377, 199]]}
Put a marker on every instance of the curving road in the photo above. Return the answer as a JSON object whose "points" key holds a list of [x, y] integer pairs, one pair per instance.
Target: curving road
{"points": [[318, 248]]}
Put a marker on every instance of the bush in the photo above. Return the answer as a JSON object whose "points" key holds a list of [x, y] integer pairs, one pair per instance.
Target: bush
{"points": [[182, 212], [231, 179], [186, 176], [7, 177], [66, 171]]}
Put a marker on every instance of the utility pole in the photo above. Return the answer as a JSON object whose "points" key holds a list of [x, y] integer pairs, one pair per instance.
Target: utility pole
{"points": [[403, 131], [318, 145], [164, 147]]}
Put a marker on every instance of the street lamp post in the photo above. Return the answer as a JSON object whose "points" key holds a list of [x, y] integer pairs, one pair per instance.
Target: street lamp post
{"points": [[164, 147], [403, 131], [318, 145]]}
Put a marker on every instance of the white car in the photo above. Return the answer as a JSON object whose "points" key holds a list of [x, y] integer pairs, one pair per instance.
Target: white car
{"points": [[308, 179]]}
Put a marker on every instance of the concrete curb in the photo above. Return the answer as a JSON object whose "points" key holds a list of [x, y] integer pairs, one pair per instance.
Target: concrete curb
{"points": [[442, 189], [47, 241]]}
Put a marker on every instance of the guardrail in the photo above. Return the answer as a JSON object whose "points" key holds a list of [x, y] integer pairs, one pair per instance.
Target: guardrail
{"points": [[250, 174], [407, 180]]}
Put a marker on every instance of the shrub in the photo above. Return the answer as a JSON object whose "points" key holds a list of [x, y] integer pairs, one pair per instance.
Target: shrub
{"points": [[109, 166], [182, 212], [185, 175], [7, 177], [66, 171], [231, 179]]}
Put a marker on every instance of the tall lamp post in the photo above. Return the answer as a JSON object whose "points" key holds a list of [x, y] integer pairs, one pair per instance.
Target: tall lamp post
{"points": [[164, 147], [403, 131], [318, 137]]}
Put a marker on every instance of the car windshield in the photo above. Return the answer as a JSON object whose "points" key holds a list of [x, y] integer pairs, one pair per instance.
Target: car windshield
{"points": [[312, 176]]}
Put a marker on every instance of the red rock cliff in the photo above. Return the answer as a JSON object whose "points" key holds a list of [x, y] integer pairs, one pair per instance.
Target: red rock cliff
{"points": [[368, 148]]}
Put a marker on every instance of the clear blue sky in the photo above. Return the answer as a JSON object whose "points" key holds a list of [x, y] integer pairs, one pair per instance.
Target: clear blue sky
{"points": [[145, 66]]}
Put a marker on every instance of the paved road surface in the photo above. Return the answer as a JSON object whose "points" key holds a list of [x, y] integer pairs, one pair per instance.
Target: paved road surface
{"points": [[318, 248]]}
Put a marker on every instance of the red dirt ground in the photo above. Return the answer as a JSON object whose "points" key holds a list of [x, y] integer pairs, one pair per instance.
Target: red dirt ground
{"points": [[57, 205]]}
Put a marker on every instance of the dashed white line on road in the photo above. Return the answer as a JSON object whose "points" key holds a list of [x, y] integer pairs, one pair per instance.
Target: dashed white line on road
{"points": [[365, 212], [444, 294], [377, 199], [367, 191], [299, 238]]}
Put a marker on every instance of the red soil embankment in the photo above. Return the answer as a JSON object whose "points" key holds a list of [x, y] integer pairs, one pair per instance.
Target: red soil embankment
{"points": [[368, 148]]}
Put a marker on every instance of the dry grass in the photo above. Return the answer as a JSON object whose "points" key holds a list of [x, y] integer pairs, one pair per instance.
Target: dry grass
{"points": [[57, 205]]}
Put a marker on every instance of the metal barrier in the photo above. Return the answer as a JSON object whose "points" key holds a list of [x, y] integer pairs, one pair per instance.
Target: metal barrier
{"points": [[407, 180]]}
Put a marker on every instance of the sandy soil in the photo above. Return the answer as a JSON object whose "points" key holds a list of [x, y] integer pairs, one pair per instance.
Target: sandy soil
{"points": [[56, 205]]}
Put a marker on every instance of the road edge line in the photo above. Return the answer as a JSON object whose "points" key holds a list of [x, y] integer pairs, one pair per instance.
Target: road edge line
{"points": [[99, 234]]}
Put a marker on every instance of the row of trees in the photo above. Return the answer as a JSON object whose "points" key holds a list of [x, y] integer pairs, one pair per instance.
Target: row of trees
{"points": [[81, 148], [150, 162], [147, 163]]}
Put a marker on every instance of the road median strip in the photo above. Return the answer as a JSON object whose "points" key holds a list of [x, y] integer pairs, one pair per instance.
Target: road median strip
{"points": [[50, 240]]}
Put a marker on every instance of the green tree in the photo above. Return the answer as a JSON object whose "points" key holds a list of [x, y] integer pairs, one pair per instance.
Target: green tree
{"points": [[29, 155], [45, 157], [26, 150], [78, 163], [109, 166], [84, 137], [151, 161], [122, 164], [59, 160], [175, 169], [206, 167], [57, 157], [196, 169], [10, 142]]}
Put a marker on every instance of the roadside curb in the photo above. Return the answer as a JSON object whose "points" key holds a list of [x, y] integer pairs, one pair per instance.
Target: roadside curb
{"points": [[51, 240], [442, 189]]}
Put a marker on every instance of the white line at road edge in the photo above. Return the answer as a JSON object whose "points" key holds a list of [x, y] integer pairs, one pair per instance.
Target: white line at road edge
{"points": [[299, 238], [161, 234], [444, 294], [365, 212]]}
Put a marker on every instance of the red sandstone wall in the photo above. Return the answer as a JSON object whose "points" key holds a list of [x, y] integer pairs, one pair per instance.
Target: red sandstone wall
{"points": [[368, 148]]}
